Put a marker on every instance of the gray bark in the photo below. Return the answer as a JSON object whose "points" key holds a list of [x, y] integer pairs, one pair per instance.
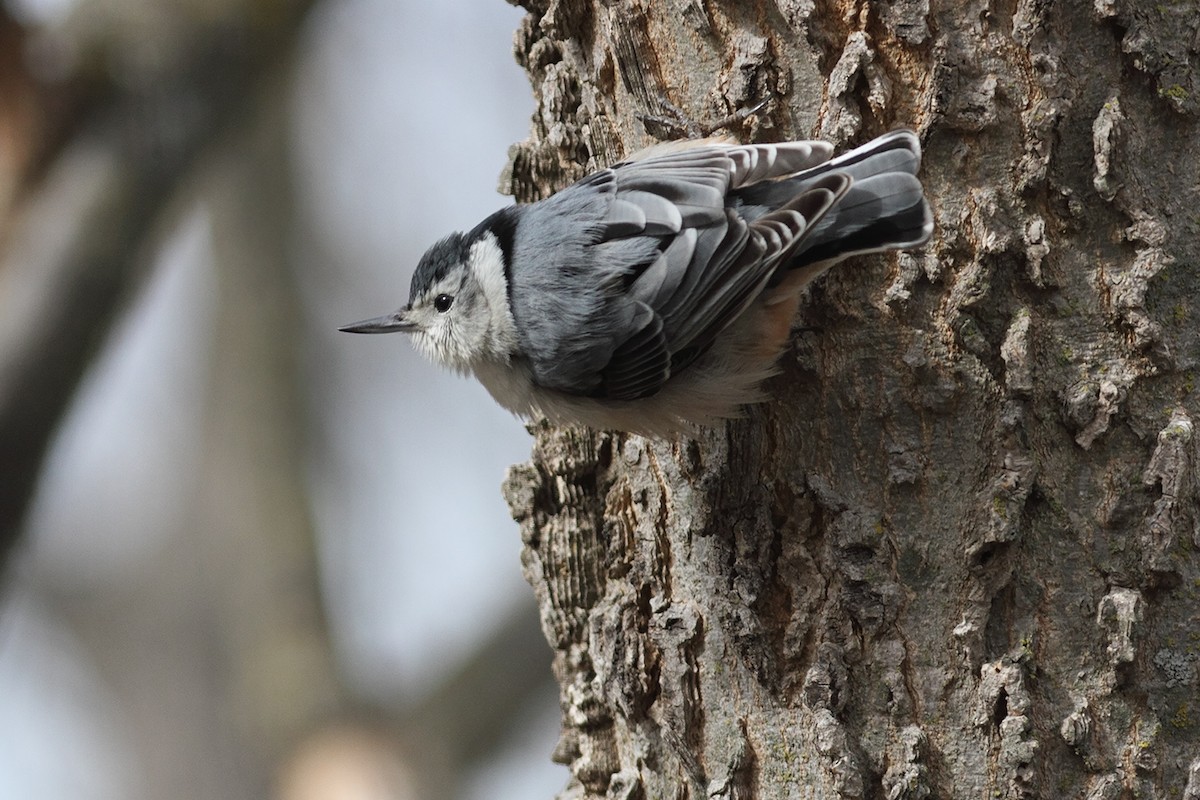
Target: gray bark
{"points": [[956, 554]]}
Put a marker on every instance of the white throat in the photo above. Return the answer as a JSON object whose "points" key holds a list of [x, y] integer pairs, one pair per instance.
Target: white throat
{"points": [[486, 262]]}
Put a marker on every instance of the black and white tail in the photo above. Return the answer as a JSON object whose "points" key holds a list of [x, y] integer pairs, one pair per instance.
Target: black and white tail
{"points": [[884, 208]]}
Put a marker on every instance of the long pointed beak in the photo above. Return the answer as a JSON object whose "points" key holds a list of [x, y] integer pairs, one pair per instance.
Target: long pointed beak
{"points": [[388, 323]]}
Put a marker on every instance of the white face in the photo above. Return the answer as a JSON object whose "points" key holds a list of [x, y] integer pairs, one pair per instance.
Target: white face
{"points": [[444, 329], [464, 318]]}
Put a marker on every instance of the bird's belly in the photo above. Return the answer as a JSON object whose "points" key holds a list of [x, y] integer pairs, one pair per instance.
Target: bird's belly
{"points": [[509, 384]]}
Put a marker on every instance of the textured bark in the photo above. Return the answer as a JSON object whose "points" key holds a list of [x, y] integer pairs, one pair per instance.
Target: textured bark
{"points": [[956, 554]]}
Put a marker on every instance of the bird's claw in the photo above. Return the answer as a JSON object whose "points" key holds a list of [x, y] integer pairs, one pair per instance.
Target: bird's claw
{"points": [[676, 124]]}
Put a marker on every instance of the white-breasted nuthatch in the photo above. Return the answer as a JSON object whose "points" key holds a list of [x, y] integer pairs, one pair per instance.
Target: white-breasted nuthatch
{"points": [[658, 293]]}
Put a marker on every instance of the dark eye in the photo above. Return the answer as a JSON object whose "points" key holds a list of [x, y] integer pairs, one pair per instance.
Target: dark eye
{"points": [[443, 302]]}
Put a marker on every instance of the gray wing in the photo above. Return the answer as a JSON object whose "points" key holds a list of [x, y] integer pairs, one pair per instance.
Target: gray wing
{"points": [[717, 262], [665, 265]]}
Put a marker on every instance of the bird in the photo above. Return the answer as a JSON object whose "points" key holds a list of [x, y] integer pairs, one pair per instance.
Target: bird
{"points": [[655, 296]]}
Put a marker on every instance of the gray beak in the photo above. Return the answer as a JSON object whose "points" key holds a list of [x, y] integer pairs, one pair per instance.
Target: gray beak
{"points": [[388, 323]]}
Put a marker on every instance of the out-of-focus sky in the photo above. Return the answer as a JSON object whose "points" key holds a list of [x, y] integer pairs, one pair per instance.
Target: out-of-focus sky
{"points": [[400, 118], [411, 152]]}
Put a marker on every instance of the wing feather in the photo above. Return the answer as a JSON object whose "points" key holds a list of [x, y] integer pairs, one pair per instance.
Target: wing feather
{"points": [[705, 261], [661, 215], [641, 364], [624, 219], [733, 278], [661, 279]]}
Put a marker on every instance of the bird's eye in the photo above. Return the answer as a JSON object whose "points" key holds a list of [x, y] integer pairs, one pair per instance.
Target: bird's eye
{"points": [[443, 302]]}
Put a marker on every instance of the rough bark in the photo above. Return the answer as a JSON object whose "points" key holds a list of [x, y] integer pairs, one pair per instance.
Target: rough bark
{"points": [[955, 555]]}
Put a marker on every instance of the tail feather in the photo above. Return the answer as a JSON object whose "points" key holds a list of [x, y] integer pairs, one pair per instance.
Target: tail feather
{"points": [[898, 151], [883, 212], [885, 208]]}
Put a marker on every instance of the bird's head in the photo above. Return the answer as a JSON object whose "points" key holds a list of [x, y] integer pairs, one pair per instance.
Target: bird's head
{"points": [[457, 303]]}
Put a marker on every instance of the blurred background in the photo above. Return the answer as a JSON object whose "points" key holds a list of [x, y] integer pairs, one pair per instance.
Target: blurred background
{"points": [[245, 555]]}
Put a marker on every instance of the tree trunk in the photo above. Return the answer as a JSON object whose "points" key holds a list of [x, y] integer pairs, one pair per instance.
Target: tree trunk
{"points": [[956, 554]]}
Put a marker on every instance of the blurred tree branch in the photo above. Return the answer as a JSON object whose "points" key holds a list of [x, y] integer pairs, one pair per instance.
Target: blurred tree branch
{"points": [[75, 248]]}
